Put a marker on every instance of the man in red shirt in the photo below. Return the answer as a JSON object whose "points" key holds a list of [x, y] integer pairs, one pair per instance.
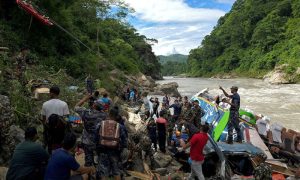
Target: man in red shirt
{"points": [[197, 143]]}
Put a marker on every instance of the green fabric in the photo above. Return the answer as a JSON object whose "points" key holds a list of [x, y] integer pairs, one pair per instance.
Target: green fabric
{"points": [[250, 115], [27, 157]]}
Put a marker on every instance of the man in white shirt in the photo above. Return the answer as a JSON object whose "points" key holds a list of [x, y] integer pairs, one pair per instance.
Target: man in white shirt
{"points": [[54, 105]]}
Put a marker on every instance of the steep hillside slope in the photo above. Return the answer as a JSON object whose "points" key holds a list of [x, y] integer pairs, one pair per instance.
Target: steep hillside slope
{"points": [[250, 40]]}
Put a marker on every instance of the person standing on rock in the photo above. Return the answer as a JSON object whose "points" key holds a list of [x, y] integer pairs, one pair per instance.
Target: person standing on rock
{"points": [[151, 127], [177, 110], [110, 139], [29, 159], [155, 106], [165, 111], [197, 144], [91, 118], [234, 114], [161, 124], [53, 106], [166, 100]]}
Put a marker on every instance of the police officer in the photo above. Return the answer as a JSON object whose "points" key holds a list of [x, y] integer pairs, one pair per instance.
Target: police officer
{"points": [[91, 117], [197, 113], [234, 114]]}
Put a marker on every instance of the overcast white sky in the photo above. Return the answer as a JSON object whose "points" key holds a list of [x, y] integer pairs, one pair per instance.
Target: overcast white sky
{"points": [[178, 25]]}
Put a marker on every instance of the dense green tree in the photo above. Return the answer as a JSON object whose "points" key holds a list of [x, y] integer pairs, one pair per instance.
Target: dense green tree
{"points": [[250, 40], [108, 42]]}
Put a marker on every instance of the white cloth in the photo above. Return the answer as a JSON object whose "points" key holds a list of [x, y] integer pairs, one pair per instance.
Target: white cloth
{"points": [[225, 106], [276, 132], [262, 127], [55, 106]]}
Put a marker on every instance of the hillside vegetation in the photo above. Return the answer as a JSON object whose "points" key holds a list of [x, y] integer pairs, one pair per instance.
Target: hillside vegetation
{"points": [[115, 51], [174, 64], [250, 40], [113, 42]]}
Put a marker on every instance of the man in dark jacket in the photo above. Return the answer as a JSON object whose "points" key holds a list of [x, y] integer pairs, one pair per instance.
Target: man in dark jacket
{"points": [[91, 118], [29, 159], [151, 127]]}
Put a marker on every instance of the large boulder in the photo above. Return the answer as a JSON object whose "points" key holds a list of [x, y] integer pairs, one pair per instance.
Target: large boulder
{"points": [[278, 76], [169, 88], [145, 81], [162, 160], [17, 134]]}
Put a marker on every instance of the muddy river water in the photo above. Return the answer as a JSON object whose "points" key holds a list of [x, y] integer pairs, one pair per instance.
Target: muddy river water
{"points": [[279, 102]]}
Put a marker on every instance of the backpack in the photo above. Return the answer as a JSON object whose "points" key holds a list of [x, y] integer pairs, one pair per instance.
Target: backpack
{"points": [[109, 134]]}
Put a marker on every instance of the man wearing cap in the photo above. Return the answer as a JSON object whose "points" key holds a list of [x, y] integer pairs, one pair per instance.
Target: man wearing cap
{"points": [[91, 117], [234, 114]]}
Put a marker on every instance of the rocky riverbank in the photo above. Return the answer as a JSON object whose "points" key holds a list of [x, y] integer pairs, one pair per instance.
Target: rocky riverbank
{"points": [[12, 132]]}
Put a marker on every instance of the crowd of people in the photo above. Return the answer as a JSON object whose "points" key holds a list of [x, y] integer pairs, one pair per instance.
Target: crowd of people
{"points": [[105, 135]]}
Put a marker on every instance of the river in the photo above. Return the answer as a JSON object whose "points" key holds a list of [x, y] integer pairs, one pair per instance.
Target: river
{"points": [[279, 102]]}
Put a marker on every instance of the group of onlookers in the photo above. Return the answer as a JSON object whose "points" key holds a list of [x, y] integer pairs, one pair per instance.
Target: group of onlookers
{"points": [[104, 133]]}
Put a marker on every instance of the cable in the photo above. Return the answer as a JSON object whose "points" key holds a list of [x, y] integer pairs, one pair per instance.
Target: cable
{"points": [[70, 34]]}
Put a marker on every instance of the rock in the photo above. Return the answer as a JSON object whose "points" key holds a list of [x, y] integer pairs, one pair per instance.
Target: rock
{"points": [[134, 118], [162, 160], [277, 76], [17, 134], [174, 165], [145, 81], [169, 88], [161, 171]]}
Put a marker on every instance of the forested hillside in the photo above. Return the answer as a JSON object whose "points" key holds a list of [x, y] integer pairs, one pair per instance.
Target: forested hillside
{"points": [[250, 40], [174, 64], [180, 58], [112, 41], [115, 52]]}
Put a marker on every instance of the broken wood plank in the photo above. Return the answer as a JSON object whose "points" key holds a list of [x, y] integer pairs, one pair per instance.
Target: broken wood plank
{"points": [[140, 175]]}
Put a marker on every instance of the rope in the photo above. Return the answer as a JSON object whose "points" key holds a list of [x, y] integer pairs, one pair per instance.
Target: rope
{"points": [[70, 34], [30, 24], [59, 26]]}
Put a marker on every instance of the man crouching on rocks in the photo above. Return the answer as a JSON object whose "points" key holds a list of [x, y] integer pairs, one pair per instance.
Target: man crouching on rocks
{"points": [[197, 144]]}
